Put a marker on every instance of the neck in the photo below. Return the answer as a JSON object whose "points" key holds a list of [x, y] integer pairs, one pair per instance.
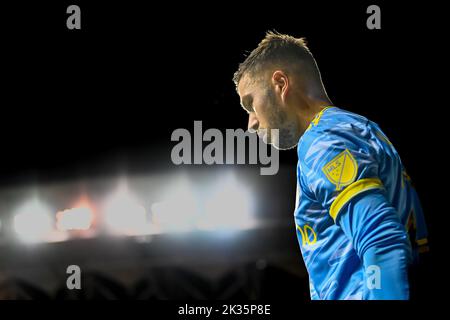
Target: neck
{"points": [[309, 110]]}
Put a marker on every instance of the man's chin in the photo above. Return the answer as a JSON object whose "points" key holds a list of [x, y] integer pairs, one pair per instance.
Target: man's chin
{"points": [[267, 138], [278, 147]]}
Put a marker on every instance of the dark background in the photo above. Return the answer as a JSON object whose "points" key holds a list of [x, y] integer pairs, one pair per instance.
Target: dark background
{"points": [[136, 72], [106, 98]]}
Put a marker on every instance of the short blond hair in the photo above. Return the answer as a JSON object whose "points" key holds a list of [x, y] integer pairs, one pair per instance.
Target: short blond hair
{"points": [[275, 49]]}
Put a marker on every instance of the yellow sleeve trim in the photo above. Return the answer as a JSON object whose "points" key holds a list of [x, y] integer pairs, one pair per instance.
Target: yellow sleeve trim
{"points": [[352, 190]]}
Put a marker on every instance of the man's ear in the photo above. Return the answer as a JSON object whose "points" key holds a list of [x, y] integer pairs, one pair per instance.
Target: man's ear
{"points": [[281, 83]]}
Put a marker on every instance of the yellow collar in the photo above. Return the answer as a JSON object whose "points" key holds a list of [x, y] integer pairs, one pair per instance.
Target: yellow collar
{"points": [[316, 119]]}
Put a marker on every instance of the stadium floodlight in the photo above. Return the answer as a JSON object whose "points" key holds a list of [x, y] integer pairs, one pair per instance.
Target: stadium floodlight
{"points": [[179, 208], [229, 207], [33, 221], [124, 214], [79, 218]]}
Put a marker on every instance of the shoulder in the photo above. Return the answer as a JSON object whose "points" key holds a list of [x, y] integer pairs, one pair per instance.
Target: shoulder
{"points": [[339, 145], [335, 127]]}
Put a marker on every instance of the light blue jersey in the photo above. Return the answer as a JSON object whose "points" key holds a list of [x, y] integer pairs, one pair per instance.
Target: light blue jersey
{"points": [[354, 205]]}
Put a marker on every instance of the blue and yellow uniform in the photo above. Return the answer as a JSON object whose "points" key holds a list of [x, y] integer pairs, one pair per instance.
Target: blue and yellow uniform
{"points": [[354, 205]]}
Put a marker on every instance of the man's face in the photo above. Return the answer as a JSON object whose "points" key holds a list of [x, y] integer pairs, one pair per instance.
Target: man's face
{"points": [[267, 112]]}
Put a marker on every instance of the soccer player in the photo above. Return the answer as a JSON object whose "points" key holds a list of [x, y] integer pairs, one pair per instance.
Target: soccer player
{"points": [[355, 200]]}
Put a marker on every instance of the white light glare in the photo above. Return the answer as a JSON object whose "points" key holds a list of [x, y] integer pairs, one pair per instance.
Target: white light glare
{"points": [[33, 222], [178, 210], [74, 219], [124, 214], [230, 207]]}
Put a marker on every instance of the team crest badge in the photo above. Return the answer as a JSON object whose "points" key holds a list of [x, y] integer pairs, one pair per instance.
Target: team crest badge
{"points": [[341, 171]]}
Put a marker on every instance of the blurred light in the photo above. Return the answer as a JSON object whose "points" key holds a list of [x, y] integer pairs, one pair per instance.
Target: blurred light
{"points": [[230, 207], [124, 214], [179, 208], [74, 219], [32, 222]]}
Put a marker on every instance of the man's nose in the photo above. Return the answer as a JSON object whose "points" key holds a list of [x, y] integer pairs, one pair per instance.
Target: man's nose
{"points": [[253, 123]]}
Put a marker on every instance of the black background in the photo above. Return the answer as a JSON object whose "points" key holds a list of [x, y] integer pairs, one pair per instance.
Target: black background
{"points": [[80, 101]]}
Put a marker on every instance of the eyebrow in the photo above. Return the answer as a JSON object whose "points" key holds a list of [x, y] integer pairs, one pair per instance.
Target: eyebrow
{"points": [[245, 101]]}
